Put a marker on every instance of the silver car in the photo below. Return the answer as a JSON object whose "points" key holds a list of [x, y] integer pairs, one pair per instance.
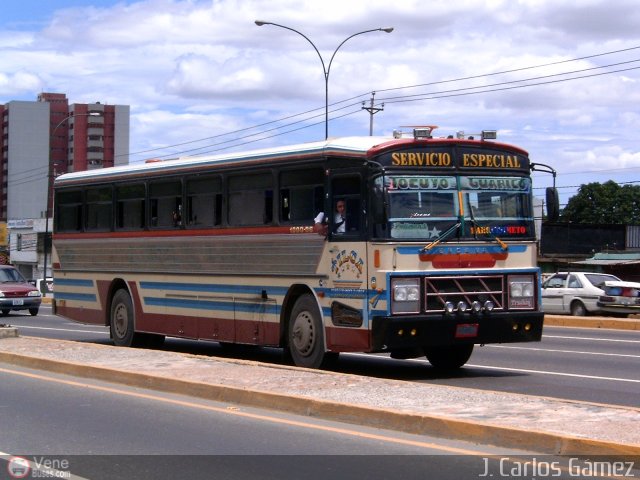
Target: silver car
{"points": [[575, 293]]}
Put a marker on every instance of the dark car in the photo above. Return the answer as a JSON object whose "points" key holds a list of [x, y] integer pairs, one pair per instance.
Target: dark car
{"points": [[16, 293]]}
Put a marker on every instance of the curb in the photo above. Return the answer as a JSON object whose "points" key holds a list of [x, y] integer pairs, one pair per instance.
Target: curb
{"points": [[8, 331], [591, 322], [449, 428]]}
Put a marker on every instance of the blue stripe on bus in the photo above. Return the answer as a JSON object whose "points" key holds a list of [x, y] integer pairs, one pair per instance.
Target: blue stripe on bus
{"points": [[81, 297], [266, 307], [73, 282], [200, 287]]}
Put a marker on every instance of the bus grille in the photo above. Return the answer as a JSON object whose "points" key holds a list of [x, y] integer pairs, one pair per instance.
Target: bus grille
{"points": [[439, 290]]}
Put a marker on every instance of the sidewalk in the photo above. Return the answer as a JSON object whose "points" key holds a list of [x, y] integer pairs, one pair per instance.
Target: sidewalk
{"points": [[513, 421]]}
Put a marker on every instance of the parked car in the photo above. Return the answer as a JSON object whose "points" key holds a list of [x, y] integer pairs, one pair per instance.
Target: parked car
{"points": [[575, 293], [16, 293], [620, 298]]}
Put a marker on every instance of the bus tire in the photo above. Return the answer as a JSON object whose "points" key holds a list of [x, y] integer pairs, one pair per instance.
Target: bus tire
{"points": [[306, 334], [122, 320], [449, 357]]}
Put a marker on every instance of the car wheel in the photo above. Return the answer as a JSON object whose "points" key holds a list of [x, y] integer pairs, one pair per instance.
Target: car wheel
{"points": [[5, 312], [578, 309], [33, 311]]}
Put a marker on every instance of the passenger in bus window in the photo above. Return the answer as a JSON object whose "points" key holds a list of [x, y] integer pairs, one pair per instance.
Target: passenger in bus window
{"points": [[177, 217], [339, 220]]}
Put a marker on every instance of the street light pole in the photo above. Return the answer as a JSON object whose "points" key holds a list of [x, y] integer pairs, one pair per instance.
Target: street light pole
{"points": [[326, 69], [50, 184]]}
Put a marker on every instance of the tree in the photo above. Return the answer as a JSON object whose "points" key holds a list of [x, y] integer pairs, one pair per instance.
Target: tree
{"points": [[605, 203]]}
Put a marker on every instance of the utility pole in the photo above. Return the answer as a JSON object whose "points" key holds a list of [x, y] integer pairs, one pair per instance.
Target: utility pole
{"points": [[372, 111]]}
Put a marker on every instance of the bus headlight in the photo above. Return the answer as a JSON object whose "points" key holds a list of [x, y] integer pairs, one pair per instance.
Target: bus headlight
{"points": [[521, 291], [405, 295]]}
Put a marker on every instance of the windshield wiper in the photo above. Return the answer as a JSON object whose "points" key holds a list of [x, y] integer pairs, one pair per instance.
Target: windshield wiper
{"points": [[503, 245], [442, 237]]}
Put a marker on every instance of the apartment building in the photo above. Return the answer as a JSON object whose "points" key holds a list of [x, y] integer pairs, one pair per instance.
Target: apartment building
{"points": [[40, 140]]}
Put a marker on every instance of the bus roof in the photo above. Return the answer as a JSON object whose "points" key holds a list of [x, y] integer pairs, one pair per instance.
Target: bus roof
{"points": [[354, 147]]}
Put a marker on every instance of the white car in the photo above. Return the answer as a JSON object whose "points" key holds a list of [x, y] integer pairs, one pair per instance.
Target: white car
{"points": [[620, 298], [576, 293]]}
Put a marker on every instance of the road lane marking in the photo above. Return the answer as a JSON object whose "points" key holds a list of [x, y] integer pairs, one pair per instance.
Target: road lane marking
{"points": [[507, 369], [254, 416], [559, 374], [594, 339], [563, 351], [62, 329]]}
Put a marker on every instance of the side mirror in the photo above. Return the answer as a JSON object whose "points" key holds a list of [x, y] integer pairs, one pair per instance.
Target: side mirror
{"points": [[553, 204]]}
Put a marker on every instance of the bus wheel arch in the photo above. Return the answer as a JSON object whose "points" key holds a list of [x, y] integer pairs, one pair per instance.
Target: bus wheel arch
{"points": [[295, 292]]}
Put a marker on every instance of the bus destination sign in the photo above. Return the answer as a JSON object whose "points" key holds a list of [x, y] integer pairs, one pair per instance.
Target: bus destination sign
{"points": [[456, 157]]}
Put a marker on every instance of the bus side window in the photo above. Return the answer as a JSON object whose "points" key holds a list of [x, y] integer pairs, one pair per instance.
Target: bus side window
{"points": [[301, 195], [204, 202], [99, 209], [69, 211], [130, 204], [251, 199], [165, 200]]}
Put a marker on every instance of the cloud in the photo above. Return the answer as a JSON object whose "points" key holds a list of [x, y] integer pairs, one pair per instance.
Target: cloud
{"points": [[19, 83], [191, 69]]}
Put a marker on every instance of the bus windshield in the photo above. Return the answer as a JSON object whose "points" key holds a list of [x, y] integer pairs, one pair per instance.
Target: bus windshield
{"points": [[423, 207]]}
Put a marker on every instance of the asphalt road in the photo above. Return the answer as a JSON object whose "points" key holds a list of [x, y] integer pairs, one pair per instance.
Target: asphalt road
{"points": [[94, 429], [594, 365], [65, 426]]}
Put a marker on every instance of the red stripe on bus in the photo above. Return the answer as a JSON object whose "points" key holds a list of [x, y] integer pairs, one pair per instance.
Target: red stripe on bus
{"points": [[181, 233]]}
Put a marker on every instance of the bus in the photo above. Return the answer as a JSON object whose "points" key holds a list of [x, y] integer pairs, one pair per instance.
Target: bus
{"points": [[435, 250]]}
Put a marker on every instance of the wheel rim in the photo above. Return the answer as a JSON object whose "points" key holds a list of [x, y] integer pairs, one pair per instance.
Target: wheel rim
{"points": [[302, 334], [120, 320]]}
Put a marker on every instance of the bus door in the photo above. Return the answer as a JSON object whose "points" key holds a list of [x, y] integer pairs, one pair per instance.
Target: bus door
{"points": [[347, 256]]}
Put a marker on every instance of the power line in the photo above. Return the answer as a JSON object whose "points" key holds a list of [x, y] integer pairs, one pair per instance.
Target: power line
{"points": [[427, 96], [359, 97]]}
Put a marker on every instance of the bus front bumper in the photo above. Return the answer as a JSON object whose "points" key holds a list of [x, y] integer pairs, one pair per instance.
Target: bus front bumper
{"points": [[419, 331]]}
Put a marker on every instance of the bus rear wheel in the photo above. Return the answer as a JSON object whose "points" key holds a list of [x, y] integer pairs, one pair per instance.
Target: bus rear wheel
{"points": [[306, 334], [122, 320], [449, 357]]}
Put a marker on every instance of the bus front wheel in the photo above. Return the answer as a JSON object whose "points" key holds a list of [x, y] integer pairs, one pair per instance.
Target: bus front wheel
{"points": [[306, 334], [449, 357], [122, 320]]}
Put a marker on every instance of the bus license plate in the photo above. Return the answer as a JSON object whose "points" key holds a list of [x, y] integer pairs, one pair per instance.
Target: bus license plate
{"points": [[466, 330], [18, 301]]}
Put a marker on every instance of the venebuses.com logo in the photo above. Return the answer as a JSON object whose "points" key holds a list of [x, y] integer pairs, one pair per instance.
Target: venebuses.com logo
{"points": [[18, 467]]}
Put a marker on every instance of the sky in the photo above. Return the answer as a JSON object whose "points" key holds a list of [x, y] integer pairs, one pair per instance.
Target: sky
{"points": [[559, 79]]}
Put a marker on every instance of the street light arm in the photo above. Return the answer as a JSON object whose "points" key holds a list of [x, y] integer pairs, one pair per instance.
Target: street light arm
{"points": [[324, 69], [388, 30]]}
